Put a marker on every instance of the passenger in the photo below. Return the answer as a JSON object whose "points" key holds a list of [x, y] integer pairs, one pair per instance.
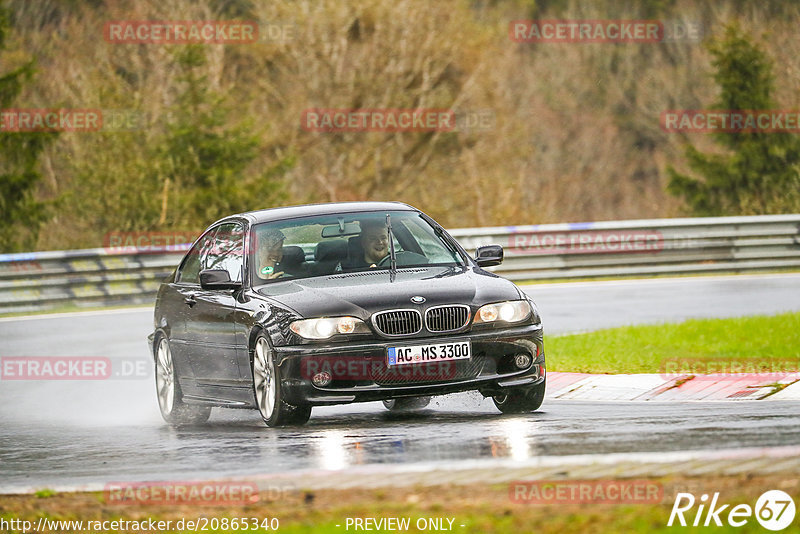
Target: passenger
{"points": [[270, 254]]}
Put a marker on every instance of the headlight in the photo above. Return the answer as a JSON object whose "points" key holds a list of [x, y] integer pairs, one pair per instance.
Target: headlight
{"points": [[325, 327], [512, 311]]}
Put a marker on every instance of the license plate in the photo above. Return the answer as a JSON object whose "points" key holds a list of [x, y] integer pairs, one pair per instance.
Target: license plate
{"points": [[438, 352]]}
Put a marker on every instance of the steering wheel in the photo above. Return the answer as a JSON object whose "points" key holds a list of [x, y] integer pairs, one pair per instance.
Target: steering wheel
{"points": [[404, 257]]}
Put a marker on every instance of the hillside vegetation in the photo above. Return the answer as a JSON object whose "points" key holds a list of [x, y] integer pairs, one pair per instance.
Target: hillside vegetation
{"points": [[574, 132]]}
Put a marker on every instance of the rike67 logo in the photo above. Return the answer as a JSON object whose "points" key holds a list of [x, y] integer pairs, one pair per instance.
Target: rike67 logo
{"points": [[774, 510]]}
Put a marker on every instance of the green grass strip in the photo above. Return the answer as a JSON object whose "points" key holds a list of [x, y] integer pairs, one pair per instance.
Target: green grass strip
{"points": [[757, 342]]}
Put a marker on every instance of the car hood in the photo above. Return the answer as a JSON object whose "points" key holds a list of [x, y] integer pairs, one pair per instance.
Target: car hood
{"points": [[364, 293]]}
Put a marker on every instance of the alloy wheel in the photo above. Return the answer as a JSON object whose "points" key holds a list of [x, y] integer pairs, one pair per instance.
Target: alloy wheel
{"points": [[264, 374], [165, 378]]}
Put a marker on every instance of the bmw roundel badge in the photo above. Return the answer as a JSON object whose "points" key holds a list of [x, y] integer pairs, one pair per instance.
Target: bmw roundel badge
{"points": [[417, 299]]}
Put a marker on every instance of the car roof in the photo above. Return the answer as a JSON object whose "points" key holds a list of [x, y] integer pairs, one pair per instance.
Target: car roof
{"points": [[331, 208]]}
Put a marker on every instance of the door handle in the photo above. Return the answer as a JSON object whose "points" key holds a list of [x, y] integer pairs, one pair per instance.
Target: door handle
{"points": [[190, 300]]}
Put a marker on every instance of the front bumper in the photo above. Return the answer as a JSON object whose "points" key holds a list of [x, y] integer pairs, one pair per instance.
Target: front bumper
{"points": [[360, 373]]}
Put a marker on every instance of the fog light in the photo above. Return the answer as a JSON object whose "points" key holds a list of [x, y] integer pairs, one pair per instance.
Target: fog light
{"points": [[522, 361], [321, 379]]}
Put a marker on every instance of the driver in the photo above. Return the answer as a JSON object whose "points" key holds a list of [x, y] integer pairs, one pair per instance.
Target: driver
{"points": [[374, 241]]}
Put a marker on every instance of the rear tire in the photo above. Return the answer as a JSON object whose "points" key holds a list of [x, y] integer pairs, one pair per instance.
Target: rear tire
{"points": [[523, 400], [406, 404], [267, 389], [168, 391]]}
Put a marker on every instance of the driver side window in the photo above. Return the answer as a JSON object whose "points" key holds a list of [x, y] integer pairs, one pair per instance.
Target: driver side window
{"points": [[228, 251], [189, 272]]}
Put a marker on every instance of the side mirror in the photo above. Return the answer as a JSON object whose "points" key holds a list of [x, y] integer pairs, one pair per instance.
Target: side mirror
{"points": [[217, 279], [489, 255]]}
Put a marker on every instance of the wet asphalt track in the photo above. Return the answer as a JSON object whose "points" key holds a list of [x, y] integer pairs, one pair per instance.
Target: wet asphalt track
{"points": [[54, 433]]}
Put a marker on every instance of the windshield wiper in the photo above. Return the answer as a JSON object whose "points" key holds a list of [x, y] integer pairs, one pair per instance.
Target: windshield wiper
{"points": [[392, 257]]}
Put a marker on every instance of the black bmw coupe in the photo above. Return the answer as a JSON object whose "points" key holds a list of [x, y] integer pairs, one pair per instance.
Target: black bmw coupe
{"points": [[284, 309]]}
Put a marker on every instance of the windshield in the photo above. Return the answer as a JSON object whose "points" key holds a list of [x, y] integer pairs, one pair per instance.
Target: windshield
{"points": [[351, 242]]}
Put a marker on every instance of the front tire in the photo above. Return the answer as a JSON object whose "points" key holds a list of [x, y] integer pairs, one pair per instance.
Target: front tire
{"points": [[267, 390], [406, 404], [168, 391], [522, 400]]}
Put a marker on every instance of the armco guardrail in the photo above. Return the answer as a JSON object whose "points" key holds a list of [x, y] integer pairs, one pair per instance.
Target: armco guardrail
{"points": [[643, 247], [40, 280]]}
